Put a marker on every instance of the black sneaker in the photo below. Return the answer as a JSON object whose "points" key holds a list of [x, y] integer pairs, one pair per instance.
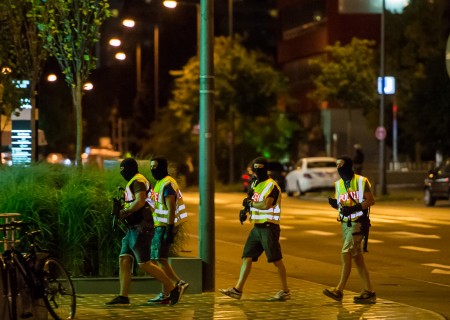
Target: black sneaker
{"points": [[119, 301], [160, 298], [366, 297], [175, 295]]}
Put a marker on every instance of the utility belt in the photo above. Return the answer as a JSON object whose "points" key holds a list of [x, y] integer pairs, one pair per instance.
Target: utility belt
{"points": [[264, 225]]}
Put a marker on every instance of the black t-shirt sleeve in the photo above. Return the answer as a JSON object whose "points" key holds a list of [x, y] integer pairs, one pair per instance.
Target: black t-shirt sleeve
{"points": [[137, 186], [274, 194]]}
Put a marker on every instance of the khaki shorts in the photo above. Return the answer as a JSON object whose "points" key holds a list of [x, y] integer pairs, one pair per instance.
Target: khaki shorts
{"points": [[352, 239]]}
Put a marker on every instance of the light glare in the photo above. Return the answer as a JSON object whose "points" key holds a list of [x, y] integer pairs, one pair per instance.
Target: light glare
{"points": [[170, 4]]}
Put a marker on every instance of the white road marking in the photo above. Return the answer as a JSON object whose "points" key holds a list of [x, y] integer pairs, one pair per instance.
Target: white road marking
{"points": [[436, 265], [405, 234], [320, 233], [375, 241], [440, 271], [418, 249]]}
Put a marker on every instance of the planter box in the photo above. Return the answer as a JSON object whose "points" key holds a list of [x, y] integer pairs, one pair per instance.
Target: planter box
{"points": [[189, 269]]}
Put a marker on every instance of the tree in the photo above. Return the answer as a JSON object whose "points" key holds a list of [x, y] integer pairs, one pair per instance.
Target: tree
{"points": [[24, 55], [346, 78], [70, 29], [245, 81], [415, 56]]}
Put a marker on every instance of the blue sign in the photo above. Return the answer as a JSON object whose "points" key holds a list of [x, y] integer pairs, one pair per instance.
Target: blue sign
{"points": [[389, 85]]}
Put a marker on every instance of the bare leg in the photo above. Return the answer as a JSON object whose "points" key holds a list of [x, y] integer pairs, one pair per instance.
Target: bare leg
{"points": [[167, 268], [246, 267], [282, 274], [363, 273], [346, 270], [125, 264], [158, 273]]}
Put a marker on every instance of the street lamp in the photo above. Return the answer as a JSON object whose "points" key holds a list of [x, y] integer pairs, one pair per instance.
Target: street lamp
{"points": [[173, 4], [130, 23]]}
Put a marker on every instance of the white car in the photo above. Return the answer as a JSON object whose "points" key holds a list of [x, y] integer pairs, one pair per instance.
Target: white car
{"points": [[312, 174]]}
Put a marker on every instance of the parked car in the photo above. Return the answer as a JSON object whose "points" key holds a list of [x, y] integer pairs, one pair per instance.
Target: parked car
{"points": [[437, 184], [275, 169], [312, 174]]}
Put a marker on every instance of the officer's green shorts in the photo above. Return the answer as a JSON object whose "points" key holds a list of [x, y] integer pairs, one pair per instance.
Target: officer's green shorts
{"points": [[263, 238]]}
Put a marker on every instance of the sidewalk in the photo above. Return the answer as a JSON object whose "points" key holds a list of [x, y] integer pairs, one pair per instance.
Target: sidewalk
{"points": [[307, 302]]}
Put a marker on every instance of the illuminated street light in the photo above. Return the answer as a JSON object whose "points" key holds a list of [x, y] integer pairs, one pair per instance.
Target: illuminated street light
{"points": [[170, 4], [129, 23], [88, 86], [115, 42], [120, 56], [52, 77], [173, 4]]}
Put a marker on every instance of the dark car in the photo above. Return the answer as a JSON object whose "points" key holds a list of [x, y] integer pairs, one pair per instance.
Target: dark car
{"points": [[276, 171], [437, 184]]}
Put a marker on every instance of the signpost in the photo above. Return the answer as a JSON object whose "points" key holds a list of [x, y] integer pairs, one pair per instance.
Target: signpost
{"points": [[21, 133], [447, 56]]}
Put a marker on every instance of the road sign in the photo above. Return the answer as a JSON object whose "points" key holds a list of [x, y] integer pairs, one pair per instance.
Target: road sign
{"points": [[380, 133], [389, 85]]}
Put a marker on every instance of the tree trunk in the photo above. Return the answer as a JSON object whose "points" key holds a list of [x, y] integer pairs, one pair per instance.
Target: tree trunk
{"points": [[77, 103]]}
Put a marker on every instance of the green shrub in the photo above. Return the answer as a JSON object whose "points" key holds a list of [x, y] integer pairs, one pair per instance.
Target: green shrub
{"points": [[72, 210]]}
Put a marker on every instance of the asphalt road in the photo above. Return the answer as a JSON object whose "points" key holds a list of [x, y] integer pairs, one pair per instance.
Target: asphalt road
{"points": [[408, 257]]}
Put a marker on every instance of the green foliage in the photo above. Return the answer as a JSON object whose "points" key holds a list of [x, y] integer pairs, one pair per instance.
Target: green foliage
{"points": [[70, 30], [22, 52], [415, 48], [246, 84], [72, 210], [346, 75]]}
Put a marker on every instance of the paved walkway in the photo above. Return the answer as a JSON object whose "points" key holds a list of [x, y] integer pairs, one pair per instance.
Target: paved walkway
{"points": [[307, 302]]}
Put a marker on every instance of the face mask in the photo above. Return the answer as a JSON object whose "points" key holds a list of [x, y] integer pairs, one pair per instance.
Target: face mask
{"points": [[128, 168], [260, 172], [345, 169], [159, 169]]}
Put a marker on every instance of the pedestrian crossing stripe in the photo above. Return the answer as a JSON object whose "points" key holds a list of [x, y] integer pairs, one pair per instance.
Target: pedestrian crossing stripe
{"points": [[436, 265], [418, 249]]}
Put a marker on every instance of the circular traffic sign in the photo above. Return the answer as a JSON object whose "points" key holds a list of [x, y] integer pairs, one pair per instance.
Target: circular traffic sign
{"points": [[380, 133]]}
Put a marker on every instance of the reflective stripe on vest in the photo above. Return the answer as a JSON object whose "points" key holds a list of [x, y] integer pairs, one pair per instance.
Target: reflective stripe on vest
{"points": [[161, 212], [356, 190], [129, 196], [261, 191]]}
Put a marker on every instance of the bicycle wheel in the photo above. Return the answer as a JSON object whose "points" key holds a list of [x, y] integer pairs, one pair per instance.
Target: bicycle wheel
{"points": [[59, 294]]}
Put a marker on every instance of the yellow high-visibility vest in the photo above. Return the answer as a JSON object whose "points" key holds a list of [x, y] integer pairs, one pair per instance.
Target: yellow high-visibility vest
{"points": [[355, 191], [129, 196], [261, 191], [161, 212]]}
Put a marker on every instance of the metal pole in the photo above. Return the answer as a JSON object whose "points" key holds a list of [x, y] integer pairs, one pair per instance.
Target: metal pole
{"points": [[231, 107], [382, 173], [138, 69], [394, 133], [156, 68], [206, 147]]}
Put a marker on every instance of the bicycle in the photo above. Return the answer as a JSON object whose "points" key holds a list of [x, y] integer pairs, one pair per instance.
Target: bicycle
{"points": [[29, 277]]}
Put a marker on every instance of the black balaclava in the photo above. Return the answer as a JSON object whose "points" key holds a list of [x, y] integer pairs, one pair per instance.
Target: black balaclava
{"points": [[346, 170], [260, 168], [161, 168], [128, 168]]}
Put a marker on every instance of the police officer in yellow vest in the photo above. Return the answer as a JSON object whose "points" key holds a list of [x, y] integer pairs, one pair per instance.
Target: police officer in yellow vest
{"points": [[265, 211], [353, 199], [168, 214], [137, 240]]}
